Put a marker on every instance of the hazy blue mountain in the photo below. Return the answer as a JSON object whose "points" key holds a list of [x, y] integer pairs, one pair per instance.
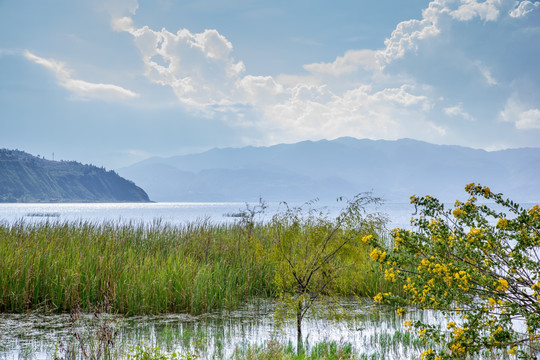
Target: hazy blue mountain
{"points": [[394, 170], [26, 178]]}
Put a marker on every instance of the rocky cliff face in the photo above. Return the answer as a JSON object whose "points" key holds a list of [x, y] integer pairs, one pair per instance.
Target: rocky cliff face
{"points": [[27, 178]]}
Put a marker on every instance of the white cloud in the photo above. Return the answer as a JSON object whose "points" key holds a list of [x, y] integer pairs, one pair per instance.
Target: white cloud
{"points": [[523, 117], [486, 73], [119, 9], [403, 97], [523, 8], [259, 89], [352, 61], [82, 88], [8, 52], [124, 23], [352, 95], [529, 119], [458, 111], [313, 111], [198, 67], [487, 10], [407, 34]]}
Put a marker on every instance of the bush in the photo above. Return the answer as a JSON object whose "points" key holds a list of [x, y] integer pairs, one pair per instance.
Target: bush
{"points": [[477, 263]]}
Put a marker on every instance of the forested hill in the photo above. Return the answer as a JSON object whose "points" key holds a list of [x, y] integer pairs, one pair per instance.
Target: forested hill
{"points": [[27, 178]]}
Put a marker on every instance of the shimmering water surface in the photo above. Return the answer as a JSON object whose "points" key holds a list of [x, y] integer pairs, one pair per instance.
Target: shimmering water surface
{"points": [[174, 213]]}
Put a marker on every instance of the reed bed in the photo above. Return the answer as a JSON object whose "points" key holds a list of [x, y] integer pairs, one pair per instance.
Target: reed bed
{"points": [[144, 269]]}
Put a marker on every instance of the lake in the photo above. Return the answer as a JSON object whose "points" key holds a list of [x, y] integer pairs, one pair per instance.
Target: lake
{"points": [[372, 331], [177, 213]]}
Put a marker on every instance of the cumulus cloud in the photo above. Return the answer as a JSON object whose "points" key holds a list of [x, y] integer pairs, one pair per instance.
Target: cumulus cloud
{"points": [[315, 112], [82, 88], [487, 10], [523, 8], [523, 117], [197, 66], [200, 69], [458, 111], [352, 61], [204, 75], [124, 23], [407, 34], [258, 88]]}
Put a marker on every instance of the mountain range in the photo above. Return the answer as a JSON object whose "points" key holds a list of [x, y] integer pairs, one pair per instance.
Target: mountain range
{"points": [[326, 169], [27, 178]]}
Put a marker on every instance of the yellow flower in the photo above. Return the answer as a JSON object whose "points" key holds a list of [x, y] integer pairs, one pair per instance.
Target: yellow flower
{"points": [[458, 212], [389, 275], [378, 255], [469, 187], [535, 211], [501, 284], [502, 223], [366, 238], [400, 312], [426, 353], [408, 323], [378, 298]]}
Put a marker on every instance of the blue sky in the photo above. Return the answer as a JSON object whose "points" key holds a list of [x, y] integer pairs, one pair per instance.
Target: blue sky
{"points": [[114, 82]]}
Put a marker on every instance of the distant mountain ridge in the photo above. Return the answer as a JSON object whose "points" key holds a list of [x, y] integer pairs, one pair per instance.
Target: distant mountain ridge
{"points": [[325, 169], [27, 178]]}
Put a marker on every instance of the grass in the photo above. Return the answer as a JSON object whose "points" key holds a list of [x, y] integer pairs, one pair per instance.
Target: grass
{"points": [[145, 269], [274, 350]]}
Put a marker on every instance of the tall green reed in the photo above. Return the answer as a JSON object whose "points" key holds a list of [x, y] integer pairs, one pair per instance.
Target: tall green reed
{"points": [[143, 268]]}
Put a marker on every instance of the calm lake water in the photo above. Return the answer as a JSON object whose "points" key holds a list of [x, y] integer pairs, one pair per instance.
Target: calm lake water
{"points": [[371, 331], [177, 213]]}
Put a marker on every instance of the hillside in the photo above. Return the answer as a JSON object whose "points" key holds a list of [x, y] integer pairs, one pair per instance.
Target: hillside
{"points": [[324, 169], [26, 178]]}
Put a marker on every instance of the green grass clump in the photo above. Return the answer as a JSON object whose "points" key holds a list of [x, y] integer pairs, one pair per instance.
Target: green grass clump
{"points": [[140, 269], [274, 350], [144, 269]]}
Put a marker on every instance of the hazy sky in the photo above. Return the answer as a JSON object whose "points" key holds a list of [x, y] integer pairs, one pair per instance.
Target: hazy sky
{"points": [[113, 82]]}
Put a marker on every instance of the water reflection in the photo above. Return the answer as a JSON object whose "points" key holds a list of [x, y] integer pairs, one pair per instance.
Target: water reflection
{"points": [[372, 331]]}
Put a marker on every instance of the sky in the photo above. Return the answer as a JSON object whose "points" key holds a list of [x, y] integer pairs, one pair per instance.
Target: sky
{"points": [[114, 82]]}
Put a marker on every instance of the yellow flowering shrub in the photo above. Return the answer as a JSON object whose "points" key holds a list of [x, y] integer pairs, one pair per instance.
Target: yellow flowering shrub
{"points": [[476, 263]]}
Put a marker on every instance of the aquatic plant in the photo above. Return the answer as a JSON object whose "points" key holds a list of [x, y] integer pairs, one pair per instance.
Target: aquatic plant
{"points": [[148, 269]]}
